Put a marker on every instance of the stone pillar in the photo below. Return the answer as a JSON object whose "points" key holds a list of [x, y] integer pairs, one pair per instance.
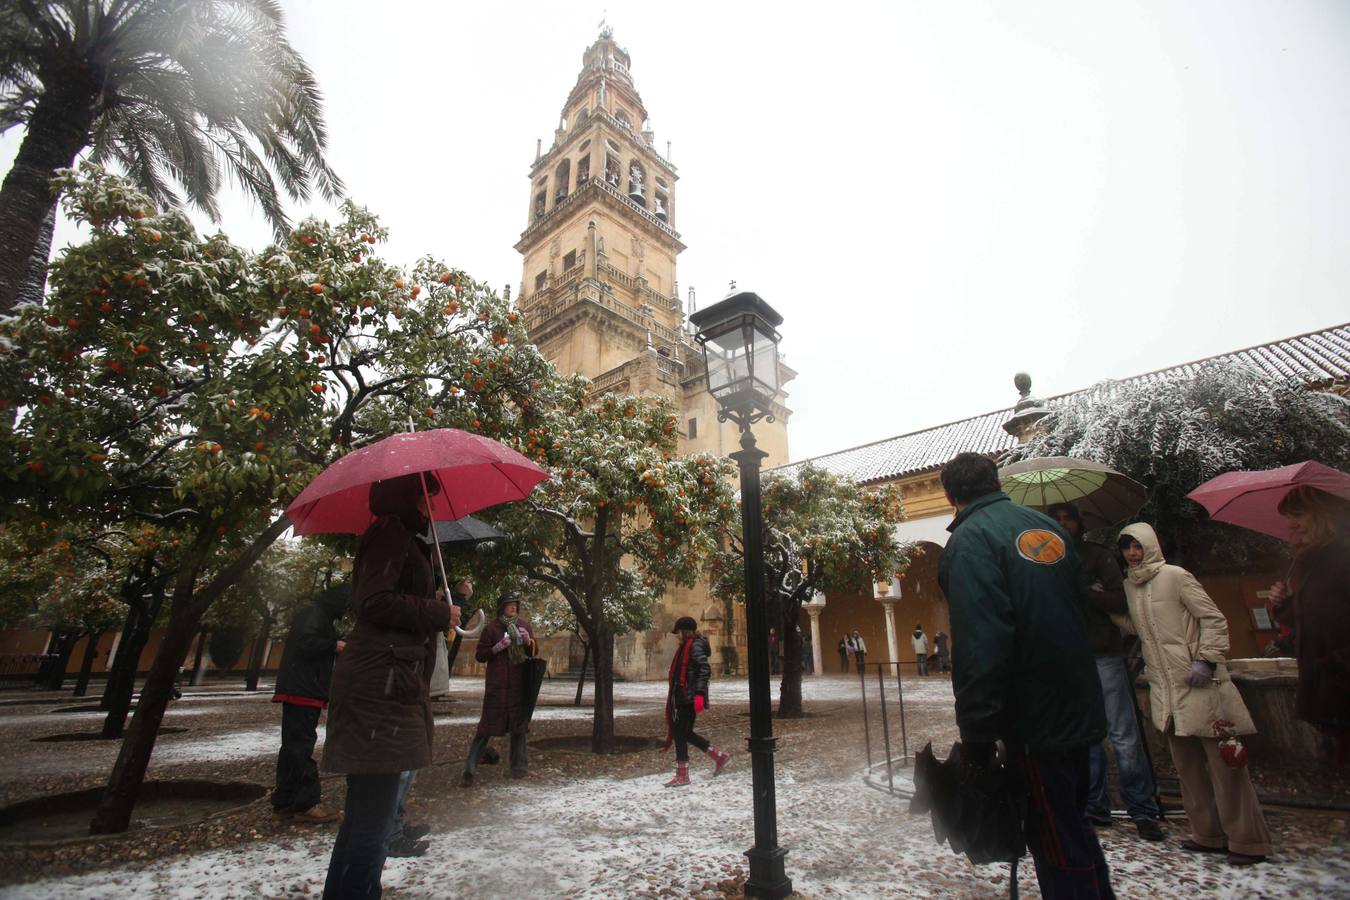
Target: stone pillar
{"points": [[814, 609], [889, 604]]}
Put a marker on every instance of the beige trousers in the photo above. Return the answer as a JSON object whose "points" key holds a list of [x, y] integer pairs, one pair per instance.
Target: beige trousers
{"points": [[1220, 801]]}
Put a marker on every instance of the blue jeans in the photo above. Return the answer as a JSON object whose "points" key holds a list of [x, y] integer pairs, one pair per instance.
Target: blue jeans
{"points": [[358, 853], [1136, 776], [405, 781]]}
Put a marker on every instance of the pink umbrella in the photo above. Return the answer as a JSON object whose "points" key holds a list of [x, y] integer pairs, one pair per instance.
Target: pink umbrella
{"points": [[1250, 499], [474, 472]]}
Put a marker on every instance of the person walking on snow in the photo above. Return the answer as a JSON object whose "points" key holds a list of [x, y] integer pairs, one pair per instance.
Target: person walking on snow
{"points": [[302, 689], [506, 642], [920, 642], [686, 698], [844, 650]]}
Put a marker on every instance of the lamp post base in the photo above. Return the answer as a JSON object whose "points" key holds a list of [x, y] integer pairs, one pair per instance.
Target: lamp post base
{"points": [[767, 875]]}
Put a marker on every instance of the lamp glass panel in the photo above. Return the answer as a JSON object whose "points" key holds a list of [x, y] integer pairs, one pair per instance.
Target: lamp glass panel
{"points": [[766, 364], [728, 362]]}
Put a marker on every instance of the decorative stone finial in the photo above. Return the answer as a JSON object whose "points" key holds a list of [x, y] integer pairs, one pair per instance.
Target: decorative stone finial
{"points": [[1027, 412]]}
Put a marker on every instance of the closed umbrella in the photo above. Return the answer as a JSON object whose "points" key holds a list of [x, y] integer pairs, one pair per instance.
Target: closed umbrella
{"points": [[1103, 495], [1252, 499]]}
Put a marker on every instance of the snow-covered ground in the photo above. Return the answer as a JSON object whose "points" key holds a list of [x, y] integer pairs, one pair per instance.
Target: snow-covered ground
{"points": [[624, 837], [628, 836]]}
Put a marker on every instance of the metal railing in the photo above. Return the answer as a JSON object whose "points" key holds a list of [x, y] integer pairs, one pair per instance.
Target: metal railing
{"points": [[882, 669], [22, 667]]}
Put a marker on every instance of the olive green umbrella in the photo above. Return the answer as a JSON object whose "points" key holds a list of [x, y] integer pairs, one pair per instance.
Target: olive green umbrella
{"points": [[1103, 495]]}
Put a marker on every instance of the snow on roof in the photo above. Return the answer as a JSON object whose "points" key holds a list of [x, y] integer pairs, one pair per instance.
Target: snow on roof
{"points": [[1318, 358]]}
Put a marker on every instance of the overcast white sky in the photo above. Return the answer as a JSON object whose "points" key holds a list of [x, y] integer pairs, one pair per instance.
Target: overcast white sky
{"points": [[935, 195]]}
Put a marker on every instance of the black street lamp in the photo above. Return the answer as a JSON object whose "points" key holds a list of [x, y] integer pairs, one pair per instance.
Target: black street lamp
{"points": [[740, 353]]}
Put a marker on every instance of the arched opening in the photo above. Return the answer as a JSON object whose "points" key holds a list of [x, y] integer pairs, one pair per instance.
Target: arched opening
{"points": [[563, 179], [612, 174], [637, 183]]}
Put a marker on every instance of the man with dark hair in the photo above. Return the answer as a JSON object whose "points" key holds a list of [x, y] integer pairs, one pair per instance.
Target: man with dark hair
{"points": [[1104, 593], [1022, 671]]}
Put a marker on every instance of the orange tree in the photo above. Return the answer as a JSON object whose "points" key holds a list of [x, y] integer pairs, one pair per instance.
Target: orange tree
{"points": [[184, 383], [621, 519], [821, 533]]}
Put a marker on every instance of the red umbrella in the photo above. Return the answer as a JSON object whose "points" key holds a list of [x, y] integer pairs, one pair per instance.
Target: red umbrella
{"points": [[474, 472], [1250, 499]]}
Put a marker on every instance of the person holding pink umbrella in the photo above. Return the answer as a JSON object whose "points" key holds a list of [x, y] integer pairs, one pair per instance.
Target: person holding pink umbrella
{"points": [[379, 716], [1315, 602]]}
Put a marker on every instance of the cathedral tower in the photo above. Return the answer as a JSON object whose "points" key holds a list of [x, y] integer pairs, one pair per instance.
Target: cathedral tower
{"points": [[599, 294]]}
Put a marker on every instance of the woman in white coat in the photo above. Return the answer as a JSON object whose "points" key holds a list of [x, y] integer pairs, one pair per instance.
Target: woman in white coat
{"points": [[1185, 643]]}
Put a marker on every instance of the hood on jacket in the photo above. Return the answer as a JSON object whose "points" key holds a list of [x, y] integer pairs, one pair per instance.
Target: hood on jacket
{"points": [[335, 600], [1153, 555]]}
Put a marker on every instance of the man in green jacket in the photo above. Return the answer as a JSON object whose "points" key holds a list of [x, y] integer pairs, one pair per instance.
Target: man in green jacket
{"points": [[1022, 668]]}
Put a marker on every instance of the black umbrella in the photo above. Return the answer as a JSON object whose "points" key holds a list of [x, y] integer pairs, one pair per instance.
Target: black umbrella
{"points": [[465, 532], [977, 811], [532, 679]]}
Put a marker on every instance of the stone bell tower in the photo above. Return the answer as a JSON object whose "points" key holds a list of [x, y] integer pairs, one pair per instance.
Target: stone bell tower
{"points": [[598, 290]]}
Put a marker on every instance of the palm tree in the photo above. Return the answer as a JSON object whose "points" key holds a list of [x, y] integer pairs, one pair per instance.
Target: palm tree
{"points": [[178, 93]]}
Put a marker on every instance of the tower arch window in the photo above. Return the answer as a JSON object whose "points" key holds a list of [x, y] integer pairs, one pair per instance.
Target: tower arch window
{"points": [[612, 166], [583, 169], [622, 115], [661, 205], [563, 179], [540, 203], [637, 183]]}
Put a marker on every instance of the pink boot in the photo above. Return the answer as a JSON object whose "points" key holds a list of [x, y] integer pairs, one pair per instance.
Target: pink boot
{"points": [[721, 757], [681, 778]]}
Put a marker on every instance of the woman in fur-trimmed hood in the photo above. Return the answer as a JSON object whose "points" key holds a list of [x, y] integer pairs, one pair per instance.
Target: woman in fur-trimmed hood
{"points": [[1184, 638]]}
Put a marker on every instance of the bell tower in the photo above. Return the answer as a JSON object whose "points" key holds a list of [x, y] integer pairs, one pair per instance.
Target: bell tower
{"points": [[599, 297], [598, 290], [598, 287]]}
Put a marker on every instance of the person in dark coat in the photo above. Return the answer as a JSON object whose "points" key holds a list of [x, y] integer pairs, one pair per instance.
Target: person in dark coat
{"points": [[1315, 602], [943, 651], [302, 690], [379, 717], [843, 649], [686, 697], [774, 652], [505, 643], [1104, 597], [1022, 671]]}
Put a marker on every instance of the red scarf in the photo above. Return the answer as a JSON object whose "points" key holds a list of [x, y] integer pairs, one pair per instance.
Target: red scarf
{"points": [[678, 666]]}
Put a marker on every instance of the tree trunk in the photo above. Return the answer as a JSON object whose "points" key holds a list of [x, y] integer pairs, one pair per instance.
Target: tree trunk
{"points": [[121, 684], [255, 658], [198, 670], [790, 688], [124, 784], [602, 721], [87, 666], [63, 644], [581, 679], [57, 131]]}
